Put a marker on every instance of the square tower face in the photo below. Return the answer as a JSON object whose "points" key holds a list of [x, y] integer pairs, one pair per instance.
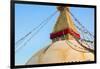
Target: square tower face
{"points": [[46, 34]]}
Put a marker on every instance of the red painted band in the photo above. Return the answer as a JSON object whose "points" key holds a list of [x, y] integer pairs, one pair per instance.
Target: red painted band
{"points": [[64, 32]]}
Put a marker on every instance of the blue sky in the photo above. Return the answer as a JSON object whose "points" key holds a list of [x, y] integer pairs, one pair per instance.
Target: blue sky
{"points": [[28, 17]]}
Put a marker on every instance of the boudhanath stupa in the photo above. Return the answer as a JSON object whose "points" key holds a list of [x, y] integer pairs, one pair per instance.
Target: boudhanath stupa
{"points": [[65, 46]]}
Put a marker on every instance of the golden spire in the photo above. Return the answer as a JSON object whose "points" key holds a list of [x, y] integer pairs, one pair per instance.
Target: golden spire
{"points": [[64, 21]]}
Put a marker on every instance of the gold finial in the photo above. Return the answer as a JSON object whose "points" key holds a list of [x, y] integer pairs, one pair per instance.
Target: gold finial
{"points": [[62, 8]]}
